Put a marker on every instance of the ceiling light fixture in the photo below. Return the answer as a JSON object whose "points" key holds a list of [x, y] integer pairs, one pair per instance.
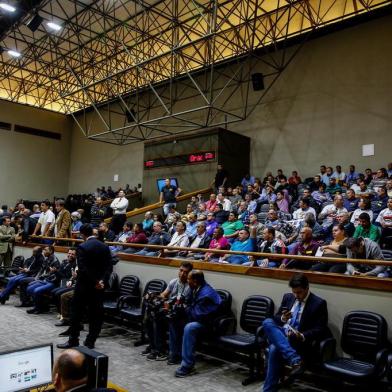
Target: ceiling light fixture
{"points": [[14, 53], [53, 26], [7, 7]]}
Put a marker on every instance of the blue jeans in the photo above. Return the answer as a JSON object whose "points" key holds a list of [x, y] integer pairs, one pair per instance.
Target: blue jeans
{"points": [[166, 208], [191, 333], [280, 351], [176, 332], [239, 260], [12, 283], [37, 288], [145, 252]]}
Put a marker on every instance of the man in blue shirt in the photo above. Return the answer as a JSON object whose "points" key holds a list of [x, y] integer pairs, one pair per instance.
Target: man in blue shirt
{"points": [[202, 310], [245, 242]]}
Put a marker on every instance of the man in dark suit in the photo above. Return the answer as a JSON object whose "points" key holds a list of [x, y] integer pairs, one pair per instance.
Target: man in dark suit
{"points": [[94, 267], [302, 319]]}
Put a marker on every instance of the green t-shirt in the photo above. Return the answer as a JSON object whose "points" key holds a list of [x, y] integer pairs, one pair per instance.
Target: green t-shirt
{"points": [[230, 228], [373, 233]]}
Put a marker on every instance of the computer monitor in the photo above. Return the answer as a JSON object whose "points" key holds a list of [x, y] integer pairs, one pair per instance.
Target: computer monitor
{"points": [[161, 183], [27, 368]]}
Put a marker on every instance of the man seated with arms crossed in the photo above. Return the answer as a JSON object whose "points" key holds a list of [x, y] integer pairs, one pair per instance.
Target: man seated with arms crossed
{"points": [[177, 290], [301, 320], [203, 307]]}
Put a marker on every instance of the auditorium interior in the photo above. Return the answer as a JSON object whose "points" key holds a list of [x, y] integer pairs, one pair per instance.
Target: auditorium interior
{"points": [[199, 190]]}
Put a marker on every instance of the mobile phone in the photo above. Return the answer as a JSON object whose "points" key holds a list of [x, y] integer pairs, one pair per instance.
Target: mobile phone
{"points": [[292, 329], [284, 309]]}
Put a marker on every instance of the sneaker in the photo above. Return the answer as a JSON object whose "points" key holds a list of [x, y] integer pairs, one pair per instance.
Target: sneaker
{"points": [[152, 356], [146, 351], [161, 357], [182, 372], [173, 361]]}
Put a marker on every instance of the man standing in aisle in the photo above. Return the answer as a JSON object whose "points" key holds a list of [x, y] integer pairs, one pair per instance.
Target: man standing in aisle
{"points": [[7, 238], [94, 266], [119, 206], [168, 195]]}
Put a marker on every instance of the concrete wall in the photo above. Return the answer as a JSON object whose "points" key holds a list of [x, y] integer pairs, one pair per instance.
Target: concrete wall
{"points": [[334, 97], [94, 164], [33, 167]]}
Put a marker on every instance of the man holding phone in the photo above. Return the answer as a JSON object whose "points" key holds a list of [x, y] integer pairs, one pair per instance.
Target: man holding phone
{"points": [[302, 319]]}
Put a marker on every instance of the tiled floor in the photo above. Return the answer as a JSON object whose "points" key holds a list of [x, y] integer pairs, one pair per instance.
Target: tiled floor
{"points": [[127, 368]]}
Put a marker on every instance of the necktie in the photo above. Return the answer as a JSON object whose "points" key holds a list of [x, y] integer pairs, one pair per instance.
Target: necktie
{"points": [[294, 322]]}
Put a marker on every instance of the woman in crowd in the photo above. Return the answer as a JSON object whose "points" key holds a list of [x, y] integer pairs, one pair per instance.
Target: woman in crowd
{"points": [[330, 250]]}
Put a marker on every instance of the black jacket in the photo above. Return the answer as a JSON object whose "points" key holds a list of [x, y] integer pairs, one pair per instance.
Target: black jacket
{"points": [[204, 243], [94, 262], [34, 264], [314, 319]]}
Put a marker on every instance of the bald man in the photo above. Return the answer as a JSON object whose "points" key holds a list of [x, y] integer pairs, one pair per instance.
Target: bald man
{"points": [[70, 372], [306, 246]]}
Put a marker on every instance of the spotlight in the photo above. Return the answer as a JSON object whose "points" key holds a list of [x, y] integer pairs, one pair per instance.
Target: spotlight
{"points": [[14, 53], [34, 22], [7, 7], [53, 26]]}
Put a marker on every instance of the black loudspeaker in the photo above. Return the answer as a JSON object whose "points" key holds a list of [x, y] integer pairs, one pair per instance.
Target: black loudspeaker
{"points": [[97, 365], [258, 81], [34, 22], [130, 119]]}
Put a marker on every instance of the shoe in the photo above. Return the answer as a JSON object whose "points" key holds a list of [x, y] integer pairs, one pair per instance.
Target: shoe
{"points": [[68, 344], [297, 369], [152, 356], [146, 351], [32, 311], [3, 301], [161, 357], [62, 323], [173, 361], [182, 372], [89, 344]]}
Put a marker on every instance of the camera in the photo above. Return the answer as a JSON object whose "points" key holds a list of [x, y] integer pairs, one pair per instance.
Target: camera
{"points": [[177, 308], [154, 303]]}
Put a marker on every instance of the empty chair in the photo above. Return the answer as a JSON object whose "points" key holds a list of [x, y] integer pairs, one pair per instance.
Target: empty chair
{"points": [[255, 309], [364, 338], [129, 286], [131, 309]]}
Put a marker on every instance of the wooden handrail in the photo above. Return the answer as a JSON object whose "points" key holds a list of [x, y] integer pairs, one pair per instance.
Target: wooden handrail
{"points": [[128, 196], [223, 252], [154, 206]]}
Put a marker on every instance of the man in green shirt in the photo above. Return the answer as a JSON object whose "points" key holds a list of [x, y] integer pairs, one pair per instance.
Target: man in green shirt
{"points": [[367, 230], [232, 227]]}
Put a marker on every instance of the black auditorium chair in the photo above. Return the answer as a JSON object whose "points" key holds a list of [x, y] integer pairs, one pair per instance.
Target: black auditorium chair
{"points": [[129, 286], [12, 270], [224, 321], [364, 339], [255, 309], [131, 309]]}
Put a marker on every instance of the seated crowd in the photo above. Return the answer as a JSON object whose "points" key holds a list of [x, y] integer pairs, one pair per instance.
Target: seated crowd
{"points": [[332, 214], [274, 217]]}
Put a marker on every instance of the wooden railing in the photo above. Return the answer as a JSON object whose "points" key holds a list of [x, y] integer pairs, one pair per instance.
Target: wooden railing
{"points": [[366, 282], [129, 196], [154, 206]]}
